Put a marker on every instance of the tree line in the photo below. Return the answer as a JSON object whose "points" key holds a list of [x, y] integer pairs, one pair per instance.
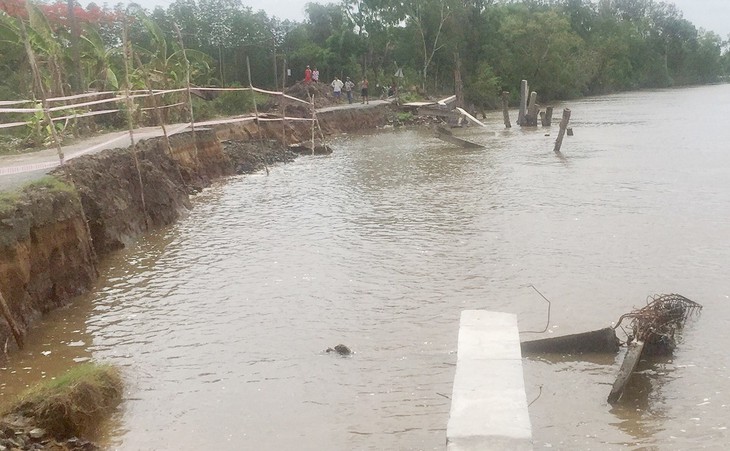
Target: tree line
{"points": [[565, 48]]}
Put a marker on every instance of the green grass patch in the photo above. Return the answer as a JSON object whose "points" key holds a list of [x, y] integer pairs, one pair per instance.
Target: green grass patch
{"points": [[49, 182], [73, 403], [8, 201], [405, 116]]}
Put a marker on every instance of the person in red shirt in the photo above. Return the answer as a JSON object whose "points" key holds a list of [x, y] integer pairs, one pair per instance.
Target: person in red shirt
{"points": [[307, 75]]}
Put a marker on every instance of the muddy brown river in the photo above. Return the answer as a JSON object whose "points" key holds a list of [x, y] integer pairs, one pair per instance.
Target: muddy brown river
{"points": [[219, 322]]}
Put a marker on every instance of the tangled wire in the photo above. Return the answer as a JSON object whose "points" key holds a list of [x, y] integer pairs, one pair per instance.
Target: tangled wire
{"points": [[657, 323]]}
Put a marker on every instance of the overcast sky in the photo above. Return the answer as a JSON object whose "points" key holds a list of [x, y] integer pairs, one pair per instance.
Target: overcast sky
{"points": [[712, 15]]}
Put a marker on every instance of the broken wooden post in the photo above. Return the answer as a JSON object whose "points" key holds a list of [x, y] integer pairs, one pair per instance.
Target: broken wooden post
{"points": [[505, 109], [548, 117], [523, 103], [532, 110], [561, 133], [8, 315], [653, 330]]}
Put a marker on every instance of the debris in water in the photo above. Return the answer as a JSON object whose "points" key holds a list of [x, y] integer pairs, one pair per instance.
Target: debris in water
{"points": [[653, 332], [340, 349], [597, 341]]}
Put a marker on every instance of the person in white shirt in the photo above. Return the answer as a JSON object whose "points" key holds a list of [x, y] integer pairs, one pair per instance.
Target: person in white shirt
{"points": [[337, 87], [348, 89]]}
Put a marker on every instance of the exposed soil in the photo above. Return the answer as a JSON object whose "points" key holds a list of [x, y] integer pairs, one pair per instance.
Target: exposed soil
{"points": [[52, 239]]}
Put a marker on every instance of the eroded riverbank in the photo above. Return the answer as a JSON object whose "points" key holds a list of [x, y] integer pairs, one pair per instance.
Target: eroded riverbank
{"points": [[51, 237]]}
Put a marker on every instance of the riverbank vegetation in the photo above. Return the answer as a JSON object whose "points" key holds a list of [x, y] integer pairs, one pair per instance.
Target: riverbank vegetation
{"points": [[566, 48]]}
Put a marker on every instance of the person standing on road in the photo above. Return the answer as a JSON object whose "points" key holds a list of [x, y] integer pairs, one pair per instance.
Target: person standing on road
{"points": [[337, 87], [364, 90], [348, 89], [315, 75]]}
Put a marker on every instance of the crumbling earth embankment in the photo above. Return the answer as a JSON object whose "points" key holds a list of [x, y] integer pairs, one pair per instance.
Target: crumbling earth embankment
{"points": [[52, 238]]}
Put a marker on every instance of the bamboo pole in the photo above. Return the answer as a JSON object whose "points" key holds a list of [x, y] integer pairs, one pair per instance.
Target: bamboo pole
{"points": [[17, 334], [314, 116], [41, 89], [283, 104], [130, 105], [256, 114], [561, 133], [505, 109], [253, 98], [187, 89], [54, 134], [155, 105], [160, 117]]}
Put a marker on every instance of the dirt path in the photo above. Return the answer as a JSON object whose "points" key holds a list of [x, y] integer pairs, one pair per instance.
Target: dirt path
{"points": [[16, 170]]}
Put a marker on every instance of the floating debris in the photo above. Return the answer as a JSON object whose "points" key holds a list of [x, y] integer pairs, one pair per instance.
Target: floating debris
{"points": [[340, 349]]}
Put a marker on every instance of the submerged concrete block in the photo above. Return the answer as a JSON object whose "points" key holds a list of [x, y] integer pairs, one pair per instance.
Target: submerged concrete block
{"points": [[488, 403]]}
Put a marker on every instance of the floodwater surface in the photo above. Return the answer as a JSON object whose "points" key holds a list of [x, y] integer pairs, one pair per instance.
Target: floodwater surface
{"points": [[220, 322]]}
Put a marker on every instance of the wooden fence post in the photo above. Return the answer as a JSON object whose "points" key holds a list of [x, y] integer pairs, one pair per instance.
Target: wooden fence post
{"points": [[505, 109], [532, 111], [523, 103], [561, 133], [547, 118]]}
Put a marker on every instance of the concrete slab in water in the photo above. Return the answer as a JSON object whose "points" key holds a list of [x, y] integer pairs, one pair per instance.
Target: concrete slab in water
{"points": [[488, 403]]}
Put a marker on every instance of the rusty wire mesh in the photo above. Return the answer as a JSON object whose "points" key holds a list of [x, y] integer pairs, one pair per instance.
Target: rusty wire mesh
{"points": [[658, 322]]}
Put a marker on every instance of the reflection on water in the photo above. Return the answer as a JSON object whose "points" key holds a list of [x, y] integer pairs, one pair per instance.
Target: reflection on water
{"points": [[220, 321]]}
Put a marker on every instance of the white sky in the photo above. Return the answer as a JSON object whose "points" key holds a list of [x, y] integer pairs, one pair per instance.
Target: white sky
{"points": [[712, 15]]}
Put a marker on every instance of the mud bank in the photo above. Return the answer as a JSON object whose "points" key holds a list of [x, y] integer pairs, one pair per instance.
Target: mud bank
{"points": [[52, 238]]}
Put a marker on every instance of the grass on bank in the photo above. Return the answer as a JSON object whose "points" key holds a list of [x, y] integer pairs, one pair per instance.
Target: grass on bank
{"points": [[9, 199], [73, 404]]}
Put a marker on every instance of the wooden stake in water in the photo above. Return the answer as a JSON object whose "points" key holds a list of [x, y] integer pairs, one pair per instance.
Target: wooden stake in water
{"points": [[505, 109], [523, 103], [532, 111], [548, 117], [561, 133]]}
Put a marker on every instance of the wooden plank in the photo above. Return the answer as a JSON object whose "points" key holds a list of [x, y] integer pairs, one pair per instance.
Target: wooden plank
{"points": [[447, 100], [470, 117], [446, 135], [439, 112]]}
